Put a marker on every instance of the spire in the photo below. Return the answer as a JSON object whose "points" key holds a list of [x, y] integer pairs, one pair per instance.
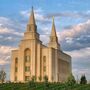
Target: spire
{"points": [[53, 32], [32, 18], [53, 37]]}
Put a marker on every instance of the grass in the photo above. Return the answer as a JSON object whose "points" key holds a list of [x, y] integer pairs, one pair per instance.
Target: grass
{"points": [[42, 86]]}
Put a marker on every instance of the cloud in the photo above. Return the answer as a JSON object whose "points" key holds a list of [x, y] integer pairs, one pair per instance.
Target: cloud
{"points": [[8, 26], [4, 62], [26, 13], [39, 15], [85, 54], [5, 54], [74, 14], [81, 62], [4, 30], [10, 31], [76, 36]]}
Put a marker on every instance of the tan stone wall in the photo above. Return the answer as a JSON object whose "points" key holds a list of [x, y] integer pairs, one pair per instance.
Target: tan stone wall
{"points": [[55, 62], [12, 70]]}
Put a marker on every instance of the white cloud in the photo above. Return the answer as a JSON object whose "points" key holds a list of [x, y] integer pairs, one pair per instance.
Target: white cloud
{"points": [[82, 53], [68, 14], [81, 62], [7, 26], [5, 54], [5, 30], [75, 30], [39, 14], [4, 62]]}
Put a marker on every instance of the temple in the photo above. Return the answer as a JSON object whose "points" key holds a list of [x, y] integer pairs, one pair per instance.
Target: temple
{"points": [[32, 58]]}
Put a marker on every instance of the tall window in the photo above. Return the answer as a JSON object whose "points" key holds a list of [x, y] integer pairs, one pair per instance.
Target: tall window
{"points": [[44, 64], [16, 68], [27, 68], [16, 60], [44, 68], [27, 58], [27, 78], [27, 55], [15, 78], [44, 59]]}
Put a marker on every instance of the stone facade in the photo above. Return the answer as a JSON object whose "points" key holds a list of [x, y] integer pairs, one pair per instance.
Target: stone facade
{"points": [[32, 58]]}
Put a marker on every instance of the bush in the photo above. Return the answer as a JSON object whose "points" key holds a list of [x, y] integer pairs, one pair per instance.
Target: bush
{"points": [[2, 76], [71, 80], [83, 80]]}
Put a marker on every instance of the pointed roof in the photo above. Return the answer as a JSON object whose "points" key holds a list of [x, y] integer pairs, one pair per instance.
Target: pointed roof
{"points": [[32, 18], [53, 32]]}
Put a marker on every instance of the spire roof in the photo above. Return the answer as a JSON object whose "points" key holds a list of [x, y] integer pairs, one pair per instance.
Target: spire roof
{"points": [[53, 32], [32, 18]]}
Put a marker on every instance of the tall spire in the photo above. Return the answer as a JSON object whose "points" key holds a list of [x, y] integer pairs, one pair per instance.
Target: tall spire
{"points": [[32, 18], [53, 37], [53, 32]]}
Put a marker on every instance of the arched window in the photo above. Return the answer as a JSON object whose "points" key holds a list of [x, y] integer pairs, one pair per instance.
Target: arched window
{"points": [[27, 55]]}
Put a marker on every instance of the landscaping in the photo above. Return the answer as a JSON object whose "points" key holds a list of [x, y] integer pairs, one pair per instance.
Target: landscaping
{"points": [[43, 86]]}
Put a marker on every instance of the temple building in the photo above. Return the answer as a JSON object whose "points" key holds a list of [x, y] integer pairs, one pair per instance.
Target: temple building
{"points": [[33, 59]]}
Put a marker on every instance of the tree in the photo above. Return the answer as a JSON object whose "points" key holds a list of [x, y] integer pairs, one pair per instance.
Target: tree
{"points": [[71, 80], [83, 80], [2, 76]]}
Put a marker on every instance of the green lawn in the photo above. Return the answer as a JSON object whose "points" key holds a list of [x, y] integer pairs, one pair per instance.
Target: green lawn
{"points": [[43, 86]]}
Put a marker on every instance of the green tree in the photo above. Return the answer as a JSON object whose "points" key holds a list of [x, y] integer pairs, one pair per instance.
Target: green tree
{"points": [[71, 80], [2, 76], [83, 80]]}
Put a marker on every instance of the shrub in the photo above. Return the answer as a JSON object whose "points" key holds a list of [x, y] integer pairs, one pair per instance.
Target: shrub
{"points": [[71, 80], [2, 76], [83, 80]]}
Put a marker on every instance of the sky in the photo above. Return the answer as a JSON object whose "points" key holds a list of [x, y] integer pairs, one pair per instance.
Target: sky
{"points": [[72, 20]]}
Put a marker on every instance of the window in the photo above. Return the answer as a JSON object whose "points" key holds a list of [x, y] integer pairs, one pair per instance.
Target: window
{"points": [[44, 63], [44, 68], [16, 60], [15, 78], [16, 69], [27, 55], [27, 68], [27, 58], [26, 78], [44, 59]]}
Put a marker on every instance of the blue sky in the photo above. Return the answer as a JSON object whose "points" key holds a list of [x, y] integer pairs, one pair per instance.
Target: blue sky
{"points": [[72, 19]]}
